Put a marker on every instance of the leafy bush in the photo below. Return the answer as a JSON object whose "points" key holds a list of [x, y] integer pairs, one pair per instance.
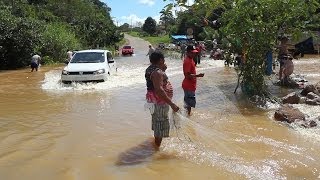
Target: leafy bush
{"points": [[50, 28], [47, 60], [18, 38], [57, 39]]}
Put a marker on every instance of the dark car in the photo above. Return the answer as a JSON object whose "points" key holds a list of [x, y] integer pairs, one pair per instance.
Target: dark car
{"points": [[127, 50]]}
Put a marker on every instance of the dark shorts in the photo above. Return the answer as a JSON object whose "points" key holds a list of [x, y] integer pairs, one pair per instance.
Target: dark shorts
{"points": [[189, 98], [282, 58], [34, 65]]}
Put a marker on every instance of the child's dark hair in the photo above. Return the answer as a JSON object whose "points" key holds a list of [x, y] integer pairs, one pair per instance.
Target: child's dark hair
{"points": [[155, 57]]}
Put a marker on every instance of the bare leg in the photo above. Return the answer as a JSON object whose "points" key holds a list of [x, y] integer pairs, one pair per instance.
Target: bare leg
{"points": [[280, 73], [189, 110], [157, 141]]}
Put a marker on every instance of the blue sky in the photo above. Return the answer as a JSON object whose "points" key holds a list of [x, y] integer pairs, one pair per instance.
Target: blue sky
{"points": [[134, 11]]}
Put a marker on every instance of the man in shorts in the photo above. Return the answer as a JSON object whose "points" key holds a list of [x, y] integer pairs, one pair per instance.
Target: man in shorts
{"points": [[283, 54], [159, 94], [189, 83], [35, 61]]}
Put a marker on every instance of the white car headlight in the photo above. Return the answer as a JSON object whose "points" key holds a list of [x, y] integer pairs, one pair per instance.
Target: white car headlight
{"points": [[64, 72], [100, 71]]}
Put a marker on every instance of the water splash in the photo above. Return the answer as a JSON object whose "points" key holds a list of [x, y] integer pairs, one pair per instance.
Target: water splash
{"points": [[126, 76], [312, 113], [259, 169]]}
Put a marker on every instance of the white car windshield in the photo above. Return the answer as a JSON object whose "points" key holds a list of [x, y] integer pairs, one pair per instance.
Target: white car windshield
{"points": [[88, 57]]}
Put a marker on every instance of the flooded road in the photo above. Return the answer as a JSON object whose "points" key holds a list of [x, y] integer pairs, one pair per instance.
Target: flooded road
{"points": [[101, 131]]}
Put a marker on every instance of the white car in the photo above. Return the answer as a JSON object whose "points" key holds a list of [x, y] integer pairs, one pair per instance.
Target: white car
{"points": [[89, 65]]}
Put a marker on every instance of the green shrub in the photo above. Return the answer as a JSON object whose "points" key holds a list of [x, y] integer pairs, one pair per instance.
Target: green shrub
{"points": [[57, 39], [18, 39], [48, 60]]}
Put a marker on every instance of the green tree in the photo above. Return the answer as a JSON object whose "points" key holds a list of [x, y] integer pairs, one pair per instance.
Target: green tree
{"points": [[52, 27], [189, 18], [124, 27], [57, 40], [150, 26], [252, 28], [18, 39], [166, 19]]}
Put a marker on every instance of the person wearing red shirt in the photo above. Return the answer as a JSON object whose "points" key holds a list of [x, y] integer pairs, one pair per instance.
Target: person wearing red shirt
{"points": [[189, 83]]}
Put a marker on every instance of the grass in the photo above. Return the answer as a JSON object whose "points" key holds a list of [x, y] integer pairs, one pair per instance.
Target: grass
{"points": [[133, 33], [154, 40]]}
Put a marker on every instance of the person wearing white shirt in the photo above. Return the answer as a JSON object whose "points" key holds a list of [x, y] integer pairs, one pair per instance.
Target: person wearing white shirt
{"points": [[151, 50]]}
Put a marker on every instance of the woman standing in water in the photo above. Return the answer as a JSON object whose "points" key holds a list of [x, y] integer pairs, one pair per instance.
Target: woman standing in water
{"points": [[159, 93]]}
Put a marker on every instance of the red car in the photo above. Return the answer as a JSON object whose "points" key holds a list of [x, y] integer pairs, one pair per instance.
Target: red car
{"points": [[127, 50]]}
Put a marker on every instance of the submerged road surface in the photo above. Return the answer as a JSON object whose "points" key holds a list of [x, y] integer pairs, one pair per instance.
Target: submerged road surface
{"points": [[101, 131]]}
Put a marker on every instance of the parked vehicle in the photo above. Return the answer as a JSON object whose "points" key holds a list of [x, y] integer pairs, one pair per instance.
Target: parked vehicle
{"points": [[171, 47], [161, 46], [127, 50], [89, 65]]}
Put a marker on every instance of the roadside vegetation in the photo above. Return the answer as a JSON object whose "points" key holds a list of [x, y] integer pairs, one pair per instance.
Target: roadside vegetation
{"points": [[251, 28], [51, 27], [246, 27], [154, 40]]}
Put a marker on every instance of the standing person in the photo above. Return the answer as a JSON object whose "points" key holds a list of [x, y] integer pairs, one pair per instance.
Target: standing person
{"points": [[189, 83], [35, 62], [159, 93], [151, 50], [69, 55], [288, 68], [283, 54], [195, 58], [116, 48], [183, 47], [198, 55], [203, 50], [214, 44]]}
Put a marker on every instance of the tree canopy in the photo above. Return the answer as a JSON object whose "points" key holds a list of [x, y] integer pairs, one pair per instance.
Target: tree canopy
{"points": [[150, 26], [251, 27], [51, 27]]}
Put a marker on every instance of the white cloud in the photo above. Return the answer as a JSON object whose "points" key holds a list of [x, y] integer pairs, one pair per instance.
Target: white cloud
{"points": [[178, 8], [134, 20], [147, 2], [157, 18]]}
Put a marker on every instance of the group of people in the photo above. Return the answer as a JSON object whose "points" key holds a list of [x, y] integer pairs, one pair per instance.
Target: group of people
{"points": [[160, 91], [36, 60], [200, 47]]}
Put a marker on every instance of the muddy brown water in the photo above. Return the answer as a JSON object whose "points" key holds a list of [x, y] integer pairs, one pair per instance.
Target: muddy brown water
{"points": [[101, 131]]}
